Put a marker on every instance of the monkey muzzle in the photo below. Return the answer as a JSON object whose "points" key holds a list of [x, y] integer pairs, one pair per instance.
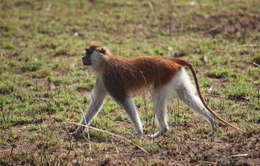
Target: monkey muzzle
{"points": [[86, 60]]}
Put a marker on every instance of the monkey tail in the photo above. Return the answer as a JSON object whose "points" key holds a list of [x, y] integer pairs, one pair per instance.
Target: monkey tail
{"points": [[190, 66]]}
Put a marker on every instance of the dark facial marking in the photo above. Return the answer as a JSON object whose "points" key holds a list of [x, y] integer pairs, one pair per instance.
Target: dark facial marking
{"points": [[86, 58], [89, 51]]}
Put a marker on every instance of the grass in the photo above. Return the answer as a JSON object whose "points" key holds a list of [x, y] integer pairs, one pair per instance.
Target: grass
{"points": [[43, 83]]}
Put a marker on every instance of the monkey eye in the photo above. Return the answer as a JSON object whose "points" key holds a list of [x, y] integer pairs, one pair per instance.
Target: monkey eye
{"points": [[103, 51]]}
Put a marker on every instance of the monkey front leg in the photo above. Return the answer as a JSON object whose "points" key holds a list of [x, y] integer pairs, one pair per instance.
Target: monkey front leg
{"points": [[95, 105], [132, 112]]}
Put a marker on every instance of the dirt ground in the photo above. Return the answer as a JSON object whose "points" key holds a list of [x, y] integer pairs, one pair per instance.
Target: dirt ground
{"points": [[234, 150], [185, 148]]}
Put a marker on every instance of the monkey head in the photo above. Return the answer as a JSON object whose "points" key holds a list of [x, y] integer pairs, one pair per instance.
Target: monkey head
{"points": [[95, 56]]}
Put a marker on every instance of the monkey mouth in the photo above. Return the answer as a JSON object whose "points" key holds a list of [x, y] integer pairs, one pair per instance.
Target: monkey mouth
{"points": [[85, 61]]}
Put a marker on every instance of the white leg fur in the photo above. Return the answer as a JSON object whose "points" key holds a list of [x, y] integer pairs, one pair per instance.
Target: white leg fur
{"points": [[160, 98], [132, 112], [95, 105], [188, 94]]}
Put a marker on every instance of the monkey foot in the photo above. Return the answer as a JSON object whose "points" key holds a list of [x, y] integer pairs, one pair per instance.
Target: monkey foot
{"points": [[77, 131], [155, 135], [159, 133], [211, 133], [73, 133]]}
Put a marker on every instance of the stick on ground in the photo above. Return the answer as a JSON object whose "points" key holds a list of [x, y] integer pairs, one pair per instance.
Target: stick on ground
{"points": [[110, 133]]}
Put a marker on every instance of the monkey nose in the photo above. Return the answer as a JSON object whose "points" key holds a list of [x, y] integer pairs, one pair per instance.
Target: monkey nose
{"points": [[83, 59]]}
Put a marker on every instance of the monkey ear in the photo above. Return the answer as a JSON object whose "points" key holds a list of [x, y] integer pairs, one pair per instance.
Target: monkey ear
{"points": [[103, 51]]}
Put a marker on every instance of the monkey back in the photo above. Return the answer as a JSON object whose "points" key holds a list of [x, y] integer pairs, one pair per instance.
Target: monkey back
{"points": [[128, 74]]}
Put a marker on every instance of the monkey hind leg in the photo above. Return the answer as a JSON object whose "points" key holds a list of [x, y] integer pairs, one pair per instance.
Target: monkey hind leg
{"points": [[159, 99], [162, 125], [188, 94]]}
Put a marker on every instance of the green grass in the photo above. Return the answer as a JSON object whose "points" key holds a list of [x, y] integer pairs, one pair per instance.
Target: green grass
{"points": [[43, 84]]}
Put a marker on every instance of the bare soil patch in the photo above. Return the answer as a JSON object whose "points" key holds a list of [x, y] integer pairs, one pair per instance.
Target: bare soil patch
{"points": [[230, 24], [232, 150]]}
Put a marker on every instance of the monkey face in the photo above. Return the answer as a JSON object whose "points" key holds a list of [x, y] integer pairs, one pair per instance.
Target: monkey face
{"points": [[94, 56], [86, 60]]}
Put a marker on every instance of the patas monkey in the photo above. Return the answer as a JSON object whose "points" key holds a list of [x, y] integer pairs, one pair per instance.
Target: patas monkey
{"points": [[119, 76]]}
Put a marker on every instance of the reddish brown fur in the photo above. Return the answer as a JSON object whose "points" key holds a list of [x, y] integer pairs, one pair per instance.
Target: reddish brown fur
{"points": [[95, 47], [138, 72]]}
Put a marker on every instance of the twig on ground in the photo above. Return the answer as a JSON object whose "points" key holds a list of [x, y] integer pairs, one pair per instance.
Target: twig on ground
{"points": [[240, 155], [110, 133]]}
